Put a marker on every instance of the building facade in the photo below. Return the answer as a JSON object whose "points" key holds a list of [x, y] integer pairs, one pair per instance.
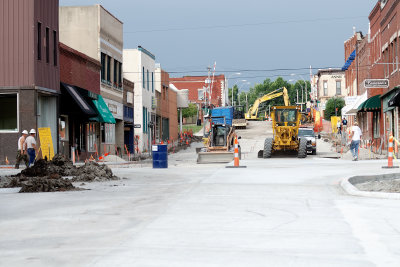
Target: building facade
{"points": [[330, 83], [29, 71], [139, 67], [80, 85], [129, 136], [94, 31]]}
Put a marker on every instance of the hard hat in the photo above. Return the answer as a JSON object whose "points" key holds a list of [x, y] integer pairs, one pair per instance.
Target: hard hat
{"points": [[32, 131], [24, 132]]}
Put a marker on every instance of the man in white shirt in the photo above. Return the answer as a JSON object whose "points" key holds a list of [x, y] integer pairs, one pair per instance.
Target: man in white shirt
{"points": [[31, 146], [355, 140], [21, 154]]}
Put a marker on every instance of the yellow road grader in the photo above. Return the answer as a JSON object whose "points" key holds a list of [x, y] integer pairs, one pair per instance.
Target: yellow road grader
{"points": [[285, 125]]}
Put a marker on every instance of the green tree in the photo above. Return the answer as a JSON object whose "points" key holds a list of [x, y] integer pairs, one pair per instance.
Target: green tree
{"points": [[190, 111], [331, 105]]}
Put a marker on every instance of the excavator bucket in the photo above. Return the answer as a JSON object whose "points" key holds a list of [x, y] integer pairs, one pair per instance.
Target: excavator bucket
{"points": [[215, 157]]}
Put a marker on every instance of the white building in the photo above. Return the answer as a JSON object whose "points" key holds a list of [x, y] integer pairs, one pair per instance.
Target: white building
{"points": [[95, 32], [139, 67], [330, 83]]}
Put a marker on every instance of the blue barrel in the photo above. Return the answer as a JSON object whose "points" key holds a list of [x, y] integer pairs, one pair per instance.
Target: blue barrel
{"points": [[160, 156]]}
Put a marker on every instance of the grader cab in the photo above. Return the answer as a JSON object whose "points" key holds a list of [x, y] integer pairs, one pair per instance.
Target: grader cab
{"points": [[285, 125]]}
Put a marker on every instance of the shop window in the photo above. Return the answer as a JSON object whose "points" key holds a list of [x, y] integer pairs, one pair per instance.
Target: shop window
{"points": [[63, 128], [108, 133], [9, 112], [91, 137], [376, 123]]}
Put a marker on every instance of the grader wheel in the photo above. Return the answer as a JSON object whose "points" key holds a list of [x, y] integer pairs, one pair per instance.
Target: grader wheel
{"points": [[302, 153], [268, 147]]}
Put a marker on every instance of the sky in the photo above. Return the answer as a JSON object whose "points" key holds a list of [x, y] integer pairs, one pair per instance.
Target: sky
{"points": [[258, 39]]}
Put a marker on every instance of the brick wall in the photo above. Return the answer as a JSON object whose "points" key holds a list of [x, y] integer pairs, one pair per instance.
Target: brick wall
{"points": [[78, 69]]}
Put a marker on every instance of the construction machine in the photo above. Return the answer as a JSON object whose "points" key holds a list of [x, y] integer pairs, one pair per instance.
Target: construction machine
{"points": [[285, 125], [252, 113], [219, 145], [239, 120]]}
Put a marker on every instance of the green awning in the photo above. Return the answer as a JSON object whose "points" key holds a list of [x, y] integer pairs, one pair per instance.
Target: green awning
{"points": [[105, 114], [371, 104]]}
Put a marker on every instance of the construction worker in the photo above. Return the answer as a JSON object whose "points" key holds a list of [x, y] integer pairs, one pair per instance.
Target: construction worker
{"points": [[31, 146], [21, 154]]}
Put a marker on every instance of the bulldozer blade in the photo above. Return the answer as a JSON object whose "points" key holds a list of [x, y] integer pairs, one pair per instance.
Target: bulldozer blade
{"points": [[214, 157]]}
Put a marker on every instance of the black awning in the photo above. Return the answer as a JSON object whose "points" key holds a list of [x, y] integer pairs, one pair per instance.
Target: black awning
{"points": [[79, 99], [395, 100]]}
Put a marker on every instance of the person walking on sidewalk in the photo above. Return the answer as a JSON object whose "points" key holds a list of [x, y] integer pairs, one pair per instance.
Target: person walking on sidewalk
{"points": [[31, 146], [339, 127], [355, 140], [21, 154]]}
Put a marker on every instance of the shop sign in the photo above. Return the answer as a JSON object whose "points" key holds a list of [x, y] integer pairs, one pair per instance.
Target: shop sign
{"points": [[376, 83], [137, 126], [117, 109]]}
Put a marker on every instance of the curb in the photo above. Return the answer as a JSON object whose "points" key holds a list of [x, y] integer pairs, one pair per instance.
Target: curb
{"points": [[352, 190]]}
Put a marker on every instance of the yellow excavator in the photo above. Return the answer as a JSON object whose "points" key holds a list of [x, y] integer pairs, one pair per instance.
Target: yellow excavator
{"points": [[252, 113]]}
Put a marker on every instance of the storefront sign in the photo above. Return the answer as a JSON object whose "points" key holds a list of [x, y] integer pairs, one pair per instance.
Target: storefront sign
{"points": [[117, 109], [137, 126], [376, 83], [46, 143]]}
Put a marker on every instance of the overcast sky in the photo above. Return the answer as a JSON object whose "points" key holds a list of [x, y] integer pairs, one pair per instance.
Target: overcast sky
{"points": [[187, 36]]}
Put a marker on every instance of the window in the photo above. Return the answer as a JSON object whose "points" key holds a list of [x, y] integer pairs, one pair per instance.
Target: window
{"points": [[144, 120], [120, 74], [103, 66], [148, 81], [384, 65], [91, 137], [116, 65], [108, 69], [200, 94], [376, 123], [39, 41], [55, 48], [108, 133], [395, 57], [47, 45], [338, 87], [152, 82], [325, 88], [9, 112], [63, 128], [387, 65], [143, 79]]}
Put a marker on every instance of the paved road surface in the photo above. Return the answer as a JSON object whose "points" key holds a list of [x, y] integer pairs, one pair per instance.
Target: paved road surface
{"points": [[282, 211]]}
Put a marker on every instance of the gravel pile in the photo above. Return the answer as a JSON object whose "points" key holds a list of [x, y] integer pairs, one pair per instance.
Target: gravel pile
{"points": [[388, 186], [45, 184], [94, 172]]}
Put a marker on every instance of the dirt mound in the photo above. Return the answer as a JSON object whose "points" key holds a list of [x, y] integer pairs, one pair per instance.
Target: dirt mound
{"points": [[46, 184], [58, 165], [390, 186], [92, 171]]}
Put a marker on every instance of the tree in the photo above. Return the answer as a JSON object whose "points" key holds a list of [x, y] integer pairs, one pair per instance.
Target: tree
{"points": [[331, 105], [190, 111]]}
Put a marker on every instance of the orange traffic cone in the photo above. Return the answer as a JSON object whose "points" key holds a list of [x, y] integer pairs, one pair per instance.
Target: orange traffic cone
{"points": [[236, 159], [390, 155]]}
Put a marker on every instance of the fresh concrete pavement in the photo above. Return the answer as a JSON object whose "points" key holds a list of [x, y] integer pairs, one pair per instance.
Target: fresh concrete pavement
{"points": [[282, 211]]}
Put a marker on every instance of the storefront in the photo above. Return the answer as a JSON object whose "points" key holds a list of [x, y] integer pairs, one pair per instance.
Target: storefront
{"points": [[369, 119], [76, 130], [390, 114]]}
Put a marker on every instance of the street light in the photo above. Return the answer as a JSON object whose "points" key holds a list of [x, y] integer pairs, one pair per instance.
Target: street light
{"points": [[238, 90], [302, 89], [233, 74]]}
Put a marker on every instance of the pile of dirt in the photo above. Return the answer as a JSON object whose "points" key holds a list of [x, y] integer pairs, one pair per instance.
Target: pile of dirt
{"points": [[52, 183], [389, 186], [58, 165], [46, 184], [94, 172]]}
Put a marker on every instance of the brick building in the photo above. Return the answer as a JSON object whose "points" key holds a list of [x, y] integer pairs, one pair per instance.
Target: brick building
{"points": [[197, 88], [80, 85], [29, 71]]}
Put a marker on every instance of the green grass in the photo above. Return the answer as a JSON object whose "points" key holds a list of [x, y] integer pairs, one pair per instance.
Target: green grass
{"points": [[192, 127]]}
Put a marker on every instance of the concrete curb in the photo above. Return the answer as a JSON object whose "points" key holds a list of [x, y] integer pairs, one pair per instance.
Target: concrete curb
{"points": [[352, 190]]}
